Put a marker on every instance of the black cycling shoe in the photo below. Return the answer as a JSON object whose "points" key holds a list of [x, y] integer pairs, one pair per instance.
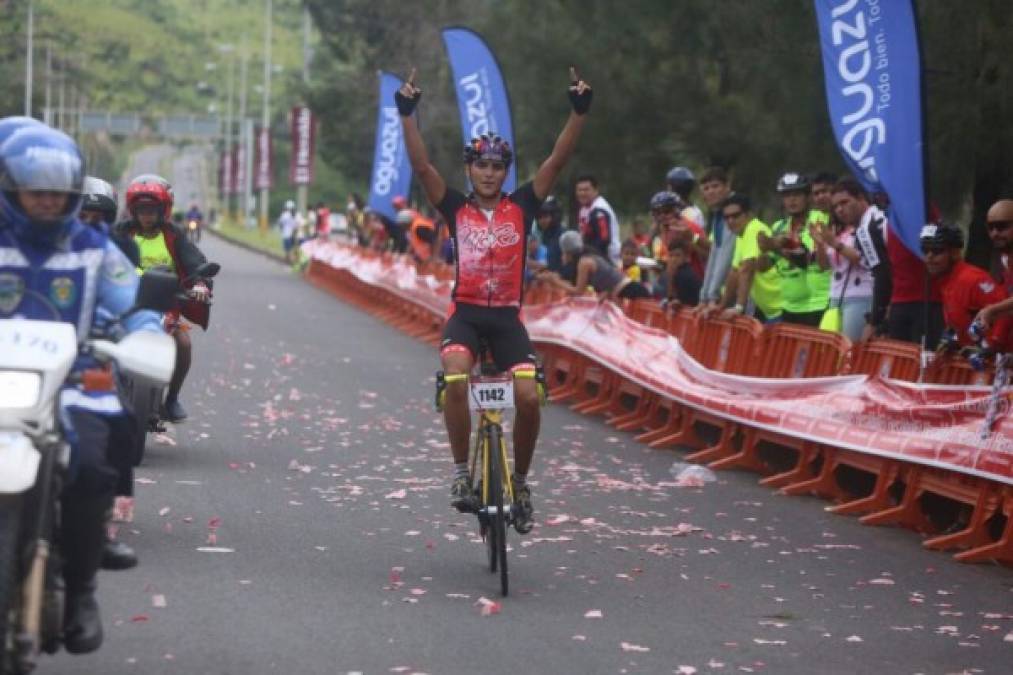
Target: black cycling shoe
{"points": [[82, 624], [117, 555], [173, 411], [462, 497], [523, 511]]}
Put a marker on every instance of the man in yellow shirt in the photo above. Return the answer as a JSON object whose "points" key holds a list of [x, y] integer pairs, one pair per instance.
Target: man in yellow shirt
{"points": [[753, 275]]}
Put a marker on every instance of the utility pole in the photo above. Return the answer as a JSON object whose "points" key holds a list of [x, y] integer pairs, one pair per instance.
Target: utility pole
{"points": [[61, 120], [28, 60], [244, 199], [47, 115], [228, 129], [266, 117]]}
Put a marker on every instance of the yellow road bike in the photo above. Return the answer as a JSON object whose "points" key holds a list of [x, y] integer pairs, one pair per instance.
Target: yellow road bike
{"points": [[490, 396]]}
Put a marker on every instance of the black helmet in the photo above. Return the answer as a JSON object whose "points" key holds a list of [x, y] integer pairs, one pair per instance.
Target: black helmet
{"points": [[941, 235], [550, 206], [488, 146], [99, 196], [792, 182], [681, 180], [666, 200]]}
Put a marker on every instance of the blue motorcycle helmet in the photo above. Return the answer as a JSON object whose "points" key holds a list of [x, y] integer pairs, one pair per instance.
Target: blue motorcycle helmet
{"points": [[8, 125], [37, 159]]}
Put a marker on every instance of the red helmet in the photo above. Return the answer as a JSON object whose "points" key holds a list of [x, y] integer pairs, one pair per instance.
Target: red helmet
{"points": [[151, 190]]}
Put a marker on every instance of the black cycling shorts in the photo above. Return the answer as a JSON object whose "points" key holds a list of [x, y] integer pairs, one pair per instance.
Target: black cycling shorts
{"points": [[500, 327]]}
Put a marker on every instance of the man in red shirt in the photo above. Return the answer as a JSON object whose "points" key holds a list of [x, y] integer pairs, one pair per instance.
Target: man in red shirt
{"points": [[490, 230], [999, 222], [965, 289]]}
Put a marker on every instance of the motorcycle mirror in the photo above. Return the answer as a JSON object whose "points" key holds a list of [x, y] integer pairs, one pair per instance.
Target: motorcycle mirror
{"points": [[157, 291], [207, 270]]}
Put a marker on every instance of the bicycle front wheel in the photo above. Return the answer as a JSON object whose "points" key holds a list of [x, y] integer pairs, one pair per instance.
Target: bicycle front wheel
{"points": [[498, 520]]}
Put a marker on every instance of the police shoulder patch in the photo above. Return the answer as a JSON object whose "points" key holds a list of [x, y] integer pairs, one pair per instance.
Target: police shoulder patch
{"points": [[117, 270]]}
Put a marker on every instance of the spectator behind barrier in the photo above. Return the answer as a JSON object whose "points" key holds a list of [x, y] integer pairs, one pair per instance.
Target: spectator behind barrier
{"points": [[999, 222], [805, 284], [715, 187], [754, 286], [596, 219]]}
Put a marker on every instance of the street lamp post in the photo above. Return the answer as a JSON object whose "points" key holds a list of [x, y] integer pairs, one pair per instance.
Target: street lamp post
{"points": [[227, 194], [266, 117], [28, 60], [244, 190], [47, 115]]}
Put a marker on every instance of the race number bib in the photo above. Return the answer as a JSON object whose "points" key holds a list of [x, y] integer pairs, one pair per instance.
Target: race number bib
{"points": [[492, 395]]}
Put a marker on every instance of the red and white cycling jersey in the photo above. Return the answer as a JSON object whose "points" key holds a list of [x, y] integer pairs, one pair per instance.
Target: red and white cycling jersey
{"points": [[490, 249]]}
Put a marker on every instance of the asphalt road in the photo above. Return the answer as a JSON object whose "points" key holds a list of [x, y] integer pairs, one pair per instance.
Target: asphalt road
{"points": [[299, 523]]}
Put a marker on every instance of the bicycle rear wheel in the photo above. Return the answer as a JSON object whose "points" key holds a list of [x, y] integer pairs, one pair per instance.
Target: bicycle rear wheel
{"points": [[497, 546]]}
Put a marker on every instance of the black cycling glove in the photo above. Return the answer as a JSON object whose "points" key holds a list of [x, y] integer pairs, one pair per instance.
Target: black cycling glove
{"points": [[405, 104], [580, 100]]}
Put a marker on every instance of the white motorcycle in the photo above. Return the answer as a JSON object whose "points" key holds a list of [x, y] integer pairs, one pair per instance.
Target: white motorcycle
{"points": [[36, 358]]}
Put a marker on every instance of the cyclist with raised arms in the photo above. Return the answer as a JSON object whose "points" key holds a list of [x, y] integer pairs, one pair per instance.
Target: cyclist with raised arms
{"points": [[490, 230]]}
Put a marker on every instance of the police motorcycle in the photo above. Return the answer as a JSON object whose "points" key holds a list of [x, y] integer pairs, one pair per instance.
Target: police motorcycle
{"points": [[36, 360]]}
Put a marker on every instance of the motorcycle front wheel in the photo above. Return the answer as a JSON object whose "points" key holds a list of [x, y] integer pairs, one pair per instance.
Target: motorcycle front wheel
{"points": [[10, 522]]}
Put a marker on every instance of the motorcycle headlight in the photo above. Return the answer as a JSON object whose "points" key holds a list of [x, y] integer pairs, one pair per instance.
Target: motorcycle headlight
{"points": [[19, 388]]}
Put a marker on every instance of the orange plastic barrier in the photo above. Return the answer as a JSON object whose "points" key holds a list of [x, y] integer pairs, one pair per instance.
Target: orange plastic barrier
{"points": [[951, 369], [727, 346], [887, 358], [786, 351]]}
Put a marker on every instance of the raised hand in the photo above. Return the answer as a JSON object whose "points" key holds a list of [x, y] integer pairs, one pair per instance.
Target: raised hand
{"points": [[408, 96], [580, 93]]}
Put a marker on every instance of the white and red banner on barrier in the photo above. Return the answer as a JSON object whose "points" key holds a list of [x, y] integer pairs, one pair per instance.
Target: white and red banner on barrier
{"points": [[935, 425], [300, 167]]}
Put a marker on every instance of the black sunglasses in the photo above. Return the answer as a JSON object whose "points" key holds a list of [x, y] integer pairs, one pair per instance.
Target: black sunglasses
{"points": [[933, 250]]}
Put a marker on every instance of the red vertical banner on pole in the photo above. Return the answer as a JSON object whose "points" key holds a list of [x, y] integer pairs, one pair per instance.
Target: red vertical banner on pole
{"points": [[300, 168], [263, 178]]}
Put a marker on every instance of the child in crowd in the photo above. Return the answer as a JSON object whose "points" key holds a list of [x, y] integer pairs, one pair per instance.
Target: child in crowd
{"points": [[641, 237], [684, 282], [629, 253]]}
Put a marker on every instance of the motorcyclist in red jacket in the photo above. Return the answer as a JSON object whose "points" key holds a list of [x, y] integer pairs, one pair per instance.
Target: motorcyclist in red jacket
{"points": [[149, 203]]}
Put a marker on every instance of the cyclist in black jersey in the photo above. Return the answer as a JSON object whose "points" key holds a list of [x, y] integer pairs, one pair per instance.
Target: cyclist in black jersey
{"points": [[489, 230]]}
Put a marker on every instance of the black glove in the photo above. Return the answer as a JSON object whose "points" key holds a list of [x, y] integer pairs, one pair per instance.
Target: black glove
{"points": [[580, 100], [405, 104]]}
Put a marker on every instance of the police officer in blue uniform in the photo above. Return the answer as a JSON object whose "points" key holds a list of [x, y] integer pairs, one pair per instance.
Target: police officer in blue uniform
{"points": [[53, 265]]}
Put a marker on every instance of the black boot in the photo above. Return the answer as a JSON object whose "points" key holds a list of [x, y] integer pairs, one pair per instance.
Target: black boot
{"points": [[173, 410], [117, 555], [83, 535]]}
